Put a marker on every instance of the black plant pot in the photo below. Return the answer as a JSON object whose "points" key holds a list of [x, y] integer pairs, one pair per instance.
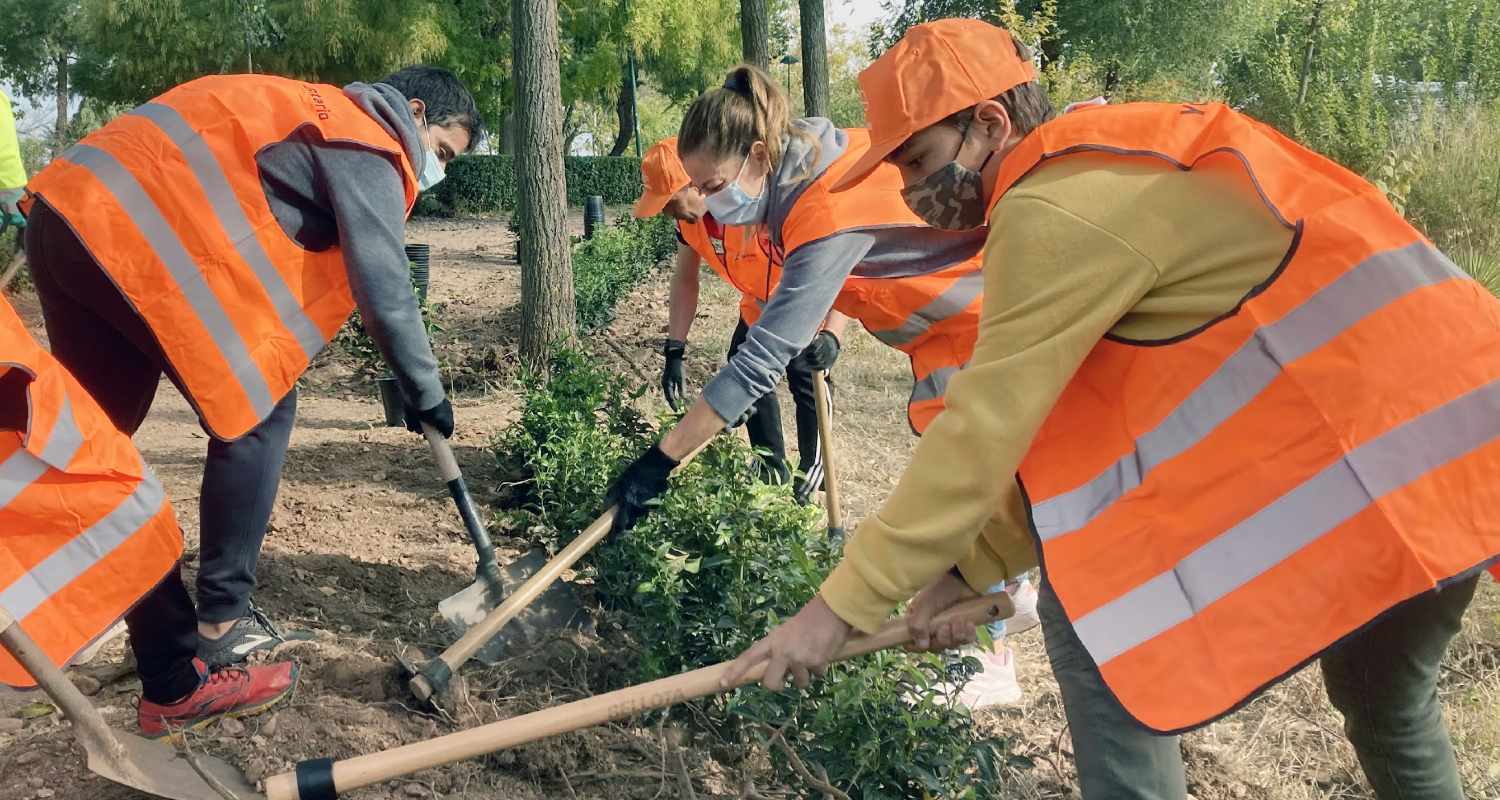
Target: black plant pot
{"points": [[391, 401]]}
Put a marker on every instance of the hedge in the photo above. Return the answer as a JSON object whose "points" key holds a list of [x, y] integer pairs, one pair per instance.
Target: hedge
{"points": [[608, 266], [478, 184]]}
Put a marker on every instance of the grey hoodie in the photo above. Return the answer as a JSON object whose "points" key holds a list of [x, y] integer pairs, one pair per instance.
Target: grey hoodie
{"points": [[814, 273], [335, 193]]}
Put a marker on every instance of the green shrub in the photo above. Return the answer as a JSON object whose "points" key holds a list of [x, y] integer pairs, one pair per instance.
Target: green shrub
{"points": [[1453, 194], [720, 561], [607, 267], [576, 432], [486, 184]]}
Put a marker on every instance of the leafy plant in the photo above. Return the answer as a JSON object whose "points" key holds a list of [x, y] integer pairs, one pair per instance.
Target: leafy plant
{"points": [[718, 563], [577, 431], [608, 266]]}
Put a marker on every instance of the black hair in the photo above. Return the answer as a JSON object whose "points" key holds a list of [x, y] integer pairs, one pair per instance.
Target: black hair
{"points": [[448, 101]]}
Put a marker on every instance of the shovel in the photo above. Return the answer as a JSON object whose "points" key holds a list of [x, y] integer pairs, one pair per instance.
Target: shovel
{"points": [[482, 641], [325, 779], [156, 768], [472, 604], [830, 481]]}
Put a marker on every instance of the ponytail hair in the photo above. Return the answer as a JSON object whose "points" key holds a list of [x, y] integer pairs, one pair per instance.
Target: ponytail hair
{"points": [[750, 107]]}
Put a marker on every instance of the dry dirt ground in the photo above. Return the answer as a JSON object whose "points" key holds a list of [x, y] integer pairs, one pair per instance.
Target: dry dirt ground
{"points": [[364, 543]]}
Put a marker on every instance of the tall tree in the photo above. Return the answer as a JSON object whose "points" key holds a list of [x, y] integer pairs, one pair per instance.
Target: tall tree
{"points": [[755, 32], [38, 51], [814, 59], [547, 312]]}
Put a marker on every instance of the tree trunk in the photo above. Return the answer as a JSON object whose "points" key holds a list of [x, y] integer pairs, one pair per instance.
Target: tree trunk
{"points": [[625, 112], [547, 312], [1312, 49], [508, 131], [814, 59], [63, 122], [755, 32]]}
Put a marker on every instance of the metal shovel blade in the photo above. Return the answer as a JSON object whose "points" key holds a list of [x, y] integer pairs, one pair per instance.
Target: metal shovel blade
{"points": [[556, 608], [157, 768]]}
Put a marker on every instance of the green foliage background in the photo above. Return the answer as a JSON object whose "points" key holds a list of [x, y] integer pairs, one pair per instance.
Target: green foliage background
{"points": [[483, 184]]}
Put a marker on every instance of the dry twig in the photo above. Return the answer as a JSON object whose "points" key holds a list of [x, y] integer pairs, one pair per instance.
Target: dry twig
{"points": [[830, 792]]}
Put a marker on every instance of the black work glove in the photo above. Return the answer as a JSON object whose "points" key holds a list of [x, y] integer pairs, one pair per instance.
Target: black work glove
{"points": [[819, 355], [640, 483], [439, 416], [672, 381]]}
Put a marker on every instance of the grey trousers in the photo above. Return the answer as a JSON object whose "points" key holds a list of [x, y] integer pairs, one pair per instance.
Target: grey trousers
{"points": [[1383, 680]]}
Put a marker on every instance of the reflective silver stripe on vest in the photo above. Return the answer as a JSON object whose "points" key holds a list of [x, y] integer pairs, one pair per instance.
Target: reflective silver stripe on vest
{"points": [[934, 386], [1293, 521], [188, 278], [1375, 283], [950, 302], [85, 550], [236, 225], [20, 469]]}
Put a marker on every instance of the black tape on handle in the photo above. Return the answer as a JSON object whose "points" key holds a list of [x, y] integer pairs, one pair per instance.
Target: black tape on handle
{"points": [[315, 779]]}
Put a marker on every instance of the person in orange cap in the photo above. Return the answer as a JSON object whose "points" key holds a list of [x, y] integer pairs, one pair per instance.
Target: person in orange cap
{"points": [[1231, 456], [700, 237]]}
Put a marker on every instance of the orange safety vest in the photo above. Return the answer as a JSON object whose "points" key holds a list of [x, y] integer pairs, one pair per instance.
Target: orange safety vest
{"points": [[1216, 510], [931, 311], [85, 528], [739, 260], [168, 199]]}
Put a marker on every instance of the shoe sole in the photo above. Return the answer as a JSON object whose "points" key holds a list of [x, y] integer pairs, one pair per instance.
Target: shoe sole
{"points": [[175, 734]]}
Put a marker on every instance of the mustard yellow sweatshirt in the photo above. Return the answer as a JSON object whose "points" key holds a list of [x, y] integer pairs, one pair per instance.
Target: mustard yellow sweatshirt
{"points": [[1087, 245]]}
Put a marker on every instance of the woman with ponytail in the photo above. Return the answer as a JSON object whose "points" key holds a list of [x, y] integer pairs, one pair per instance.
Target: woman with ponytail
{"points": [[769, 179]]}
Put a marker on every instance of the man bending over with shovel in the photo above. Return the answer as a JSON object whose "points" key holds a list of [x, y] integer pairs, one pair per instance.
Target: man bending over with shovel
{"points": [[221, 234]]}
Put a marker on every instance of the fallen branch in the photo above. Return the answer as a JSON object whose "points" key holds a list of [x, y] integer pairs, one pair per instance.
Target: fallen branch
{"points": [[830, 792]]}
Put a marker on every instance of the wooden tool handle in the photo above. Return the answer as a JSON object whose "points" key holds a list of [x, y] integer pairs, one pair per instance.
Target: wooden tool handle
{"points": [[476, 636], [364, 770], [830, 469], [88, 725], [442, 453]]}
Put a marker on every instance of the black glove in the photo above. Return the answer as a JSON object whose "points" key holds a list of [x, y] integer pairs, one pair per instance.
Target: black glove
{"points": [[640, 483], [439, 416], [672, 380], [819, 355]]}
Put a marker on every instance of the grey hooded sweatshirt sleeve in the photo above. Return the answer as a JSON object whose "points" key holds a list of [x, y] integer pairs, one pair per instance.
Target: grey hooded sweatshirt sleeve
{"points": [[335, 193]]}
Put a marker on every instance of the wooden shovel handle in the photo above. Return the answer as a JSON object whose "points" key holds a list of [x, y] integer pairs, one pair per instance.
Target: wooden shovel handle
{"points": [[830, 470], [364, 770], [527, 593]]}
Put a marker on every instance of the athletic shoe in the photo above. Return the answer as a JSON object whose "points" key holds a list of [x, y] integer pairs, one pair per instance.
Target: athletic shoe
{"points": [[1025, 618], [229, 692], [250, 634], [995, 682]]}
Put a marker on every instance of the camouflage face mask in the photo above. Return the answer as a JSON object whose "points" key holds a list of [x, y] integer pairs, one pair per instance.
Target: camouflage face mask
{"points": [[951, 198]]}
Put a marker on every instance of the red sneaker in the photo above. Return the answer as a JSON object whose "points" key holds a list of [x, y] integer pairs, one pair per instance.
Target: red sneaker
{"points": [[229, 692]]}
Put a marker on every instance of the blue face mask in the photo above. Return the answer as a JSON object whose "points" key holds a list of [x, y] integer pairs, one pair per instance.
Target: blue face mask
{"points": [[731, 205], [432, 169]]}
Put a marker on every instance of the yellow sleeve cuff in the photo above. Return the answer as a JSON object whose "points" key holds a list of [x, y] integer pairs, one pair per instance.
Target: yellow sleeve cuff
{"points": [[853, 599], [1003, 552]]}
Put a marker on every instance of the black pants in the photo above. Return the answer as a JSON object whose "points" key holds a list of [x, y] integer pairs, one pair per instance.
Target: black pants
{"points": [[764, 425], [95, 333]]}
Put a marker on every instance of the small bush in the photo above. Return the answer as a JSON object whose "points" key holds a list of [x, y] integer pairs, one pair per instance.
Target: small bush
{"points": [[487, 184], [577, 431], [722, 560], [608, 266]]}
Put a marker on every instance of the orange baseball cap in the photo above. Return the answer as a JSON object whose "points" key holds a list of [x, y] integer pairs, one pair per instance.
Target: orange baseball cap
{"points": [[663, 175], [937, 69]]}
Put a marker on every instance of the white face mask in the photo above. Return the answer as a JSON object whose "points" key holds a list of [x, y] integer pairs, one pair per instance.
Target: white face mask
{"points": [[732, 205], [432, 169]]}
